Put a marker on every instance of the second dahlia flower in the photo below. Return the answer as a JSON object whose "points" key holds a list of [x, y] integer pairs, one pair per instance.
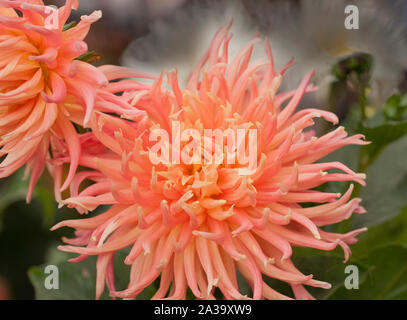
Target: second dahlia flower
{"points": [[194, 223], [44, 88]]}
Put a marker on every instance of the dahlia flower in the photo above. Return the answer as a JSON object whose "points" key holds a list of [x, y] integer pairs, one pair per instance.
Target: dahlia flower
{"points": [[43, 87], [194, 224]]}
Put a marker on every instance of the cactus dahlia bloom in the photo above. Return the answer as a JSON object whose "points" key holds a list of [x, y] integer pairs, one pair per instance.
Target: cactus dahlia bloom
{"points": [[195, 224], [43, 87]]}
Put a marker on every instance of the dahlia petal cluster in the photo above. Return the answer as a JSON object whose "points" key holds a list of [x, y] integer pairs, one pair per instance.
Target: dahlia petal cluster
{"points": [[194, 225], [44, 89]]}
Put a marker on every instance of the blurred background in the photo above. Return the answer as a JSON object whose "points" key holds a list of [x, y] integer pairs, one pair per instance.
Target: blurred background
{"points": [[362, 77]]}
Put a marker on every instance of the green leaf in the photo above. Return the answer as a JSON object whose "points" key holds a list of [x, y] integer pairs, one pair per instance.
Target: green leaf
{"points": [[381, 136], [78, 280], [90, 56], [386, 186], [329, 268], [69, 25], [14, 188], [395, 107], [391, 232], [324, 266], [359, 63], [45, 196], [386, 277]]}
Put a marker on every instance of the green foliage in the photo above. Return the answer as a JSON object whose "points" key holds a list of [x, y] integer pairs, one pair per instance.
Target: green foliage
{"points": [[385, 193], [386, 277], [381, 257], [391, 232], [329, 268], [77, 281], [395, 107], [90, 56], [12, 190], [24, 241], [381, 136], [69, 25], [358, 64]]}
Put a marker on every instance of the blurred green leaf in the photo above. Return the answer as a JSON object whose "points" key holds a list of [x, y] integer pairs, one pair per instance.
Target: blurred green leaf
{"points": [[324, 267], [395, 107], [359, 63], [69, 25], [78, 280], [386, 277], [12, 190], [49, 208], [385, 193], [391, 232], [381, 136], [90, 56], [386, 184], [24, 242]]}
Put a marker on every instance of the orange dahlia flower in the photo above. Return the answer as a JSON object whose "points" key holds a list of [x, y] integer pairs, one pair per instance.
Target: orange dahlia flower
{"points": [[43, 87], [196, 223]]}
